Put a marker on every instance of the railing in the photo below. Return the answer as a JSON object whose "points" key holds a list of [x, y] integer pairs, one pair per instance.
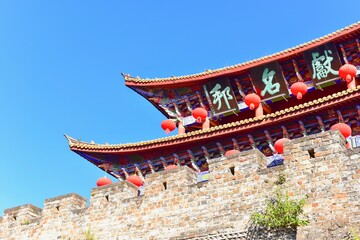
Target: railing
{"points": [[275, 160], [354, 141], [203, 176]]}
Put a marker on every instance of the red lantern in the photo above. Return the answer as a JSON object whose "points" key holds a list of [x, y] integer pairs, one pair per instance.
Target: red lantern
{"points": [[252, 100], [347, 72], [200, 114], [343, 128], [103, 181], [231, 153], [135, 179], [299, 89], [279, 145], [168, 125], [169, 167]]}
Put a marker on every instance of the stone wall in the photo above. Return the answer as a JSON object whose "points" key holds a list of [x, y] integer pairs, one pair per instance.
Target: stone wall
{"points": [[176, 206]]}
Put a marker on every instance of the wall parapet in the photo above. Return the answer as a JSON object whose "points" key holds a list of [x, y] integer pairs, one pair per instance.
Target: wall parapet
{"points": [[176, 206]]}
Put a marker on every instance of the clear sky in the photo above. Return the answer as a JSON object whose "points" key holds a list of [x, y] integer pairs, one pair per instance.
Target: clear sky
{"points": [[60, 65]]}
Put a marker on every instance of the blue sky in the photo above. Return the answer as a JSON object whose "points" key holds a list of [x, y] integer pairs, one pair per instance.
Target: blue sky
{"points": [[61, 64]]}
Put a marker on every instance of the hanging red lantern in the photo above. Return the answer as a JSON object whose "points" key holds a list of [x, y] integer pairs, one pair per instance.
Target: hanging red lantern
{"points": [[252, 100], [279, 145], [231, 153], [103, 181], [347, 72], [168, 125], [135, 179], [299, 89], [200, 114], [343, 128], [169, 167]]}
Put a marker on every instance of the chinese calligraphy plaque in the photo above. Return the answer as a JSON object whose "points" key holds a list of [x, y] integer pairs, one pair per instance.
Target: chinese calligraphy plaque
{"points": [[323, 63], [269, 81], [222, 97]]}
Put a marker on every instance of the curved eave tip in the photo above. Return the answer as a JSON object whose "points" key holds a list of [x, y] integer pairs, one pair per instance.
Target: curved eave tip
{"points": [[70, 140], [126, 76]]}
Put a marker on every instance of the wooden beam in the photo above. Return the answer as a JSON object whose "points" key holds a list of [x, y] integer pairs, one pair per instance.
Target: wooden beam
{"points": [[206, 153], [268, 137], [321, 123], [340, 116], [235, 144], [298, 75], [285, 132], [302, 128], [343, 53], [221, 149], [252, 141]]}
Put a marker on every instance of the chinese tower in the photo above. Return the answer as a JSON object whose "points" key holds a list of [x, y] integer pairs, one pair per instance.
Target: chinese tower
{"points": [[290, 94]]}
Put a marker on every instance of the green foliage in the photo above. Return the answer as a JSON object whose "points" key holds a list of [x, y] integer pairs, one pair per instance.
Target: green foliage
{"points": [[281, 179], [25, 222], [354, 235], [88, 235], [280, 212]]}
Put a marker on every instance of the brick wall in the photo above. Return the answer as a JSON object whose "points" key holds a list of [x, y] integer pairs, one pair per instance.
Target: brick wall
{"points": [[176, 206]]}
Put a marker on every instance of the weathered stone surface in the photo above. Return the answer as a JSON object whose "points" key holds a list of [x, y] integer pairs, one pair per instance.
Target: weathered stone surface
{"points": [[175, 206]]}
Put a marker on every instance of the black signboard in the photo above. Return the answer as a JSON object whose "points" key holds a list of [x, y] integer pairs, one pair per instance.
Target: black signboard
{"points": [[269, 81], [222, 98], [323, 63]]}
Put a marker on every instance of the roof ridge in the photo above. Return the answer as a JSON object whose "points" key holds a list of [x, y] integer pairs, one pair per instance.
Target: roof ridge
{"points": [[129, 79]]}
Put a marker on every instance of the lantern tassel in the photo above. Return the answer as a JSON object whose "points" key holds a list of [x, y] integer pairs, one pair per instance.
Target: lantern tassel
{"points": [[167, 131], [348, 78], [252, 106], [199, 120], [299, 95]]}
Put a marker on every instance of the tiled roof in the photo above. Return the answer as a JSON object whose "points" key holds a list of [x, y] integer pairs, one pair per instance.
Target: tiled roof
{"points": [[131, 81], [221, 129]]}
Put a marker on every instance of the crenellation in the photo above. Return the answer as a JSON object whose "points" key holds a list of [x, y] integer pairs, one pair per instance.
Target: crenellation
{"points": [[68, 202], [21, 215], [174, 181], [19, 221], [113, 192], [328, 177], [236, 167]]}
